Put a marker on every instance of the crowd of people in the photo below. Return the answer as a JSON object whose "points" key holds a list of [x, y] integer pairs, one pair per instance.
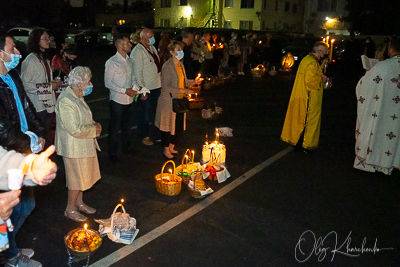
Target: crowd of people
{"points": [[154, 78]]}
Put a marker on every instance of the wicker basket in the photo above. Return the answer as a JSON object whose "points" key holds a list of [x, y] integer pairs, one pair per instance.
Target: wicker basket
{"points": [[207, 84], [190, 169], [171, 188], [258, 71], [196, 193]]}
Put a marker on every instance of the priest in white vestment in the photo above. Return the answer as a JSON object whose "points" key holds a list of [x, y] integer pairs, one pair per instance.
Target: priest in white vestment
{"points": [[378, 115]]}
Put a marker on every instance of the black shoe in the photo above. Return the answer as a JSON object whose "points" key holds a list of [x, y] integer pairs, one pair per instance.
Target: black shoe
{"points": [[114, 158], [308, 151]]}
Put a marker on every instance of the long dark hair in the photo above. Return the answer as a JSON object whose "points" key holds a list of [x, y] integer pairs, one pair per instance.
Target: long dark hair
{"points": [[34, 42]]}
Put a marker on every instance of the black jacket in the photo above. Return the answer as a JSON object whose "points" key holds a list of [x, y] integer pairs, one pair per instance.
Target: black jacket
{"points": [[11, 136]]}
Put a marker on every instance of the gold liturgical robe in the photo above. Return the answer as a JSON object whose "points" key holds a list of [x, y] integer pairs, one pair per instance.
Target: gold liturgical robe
{"points": [[304, 110]]}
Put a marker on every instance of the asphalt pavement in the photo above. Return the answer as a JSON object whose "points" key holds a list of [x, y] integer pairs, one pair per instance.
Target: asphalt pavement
{"points": [[278, 208]]}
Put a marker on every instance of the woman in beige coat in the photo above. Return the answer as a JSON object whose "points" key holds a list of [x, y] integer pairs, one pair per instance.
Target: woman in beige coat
{"points": [[173, 83], [76, 142]]}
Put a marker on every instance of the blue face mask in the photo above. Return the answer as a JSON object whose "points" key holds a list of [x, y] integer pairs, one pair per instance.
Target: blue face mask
{"points": [[180, 55], [13, 63], [152, 41], [88, 91]]}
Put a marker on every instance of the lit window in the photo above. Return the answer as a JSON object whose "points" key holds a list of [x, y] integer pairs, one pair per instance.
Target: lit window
{"points": [[246, 25], [165, 3], [247, 4], [228, 3]]}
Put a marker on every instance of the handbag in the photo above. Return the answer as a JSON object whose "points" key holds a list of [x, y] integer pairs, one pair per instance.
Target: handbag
{"points": [[180, 105]]}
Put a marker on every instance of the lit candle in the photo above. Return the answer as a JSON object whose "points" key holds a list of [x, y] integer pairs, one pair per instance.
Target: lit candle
{"points": [[170, 171], [192, 155], [190, 95], [330, 55], [122, 200], [217, 135], [259, 42], [28, 161], [327, 39]]}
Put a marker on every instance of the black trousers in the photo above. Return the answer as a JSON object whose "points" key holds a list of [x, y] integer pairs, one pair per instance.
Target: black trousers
{"points": [[167, 138], [120, 119]]}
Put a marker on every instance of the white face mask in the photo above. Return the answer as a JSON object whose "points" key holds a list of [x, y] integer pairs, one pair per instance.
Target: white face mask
{"points": [[14, 61], [180, 55]]}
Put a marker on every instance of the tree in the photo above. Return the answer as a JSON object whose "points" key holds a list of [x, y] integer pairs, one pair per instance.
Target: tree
{"points": [[373, 17]]}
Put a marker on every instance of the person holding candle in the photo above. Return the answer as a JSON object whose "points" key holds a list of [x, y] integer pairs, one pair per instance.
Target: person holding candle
{"points": [[174, 83], [40, 170], [76, 142], [303, 117]]}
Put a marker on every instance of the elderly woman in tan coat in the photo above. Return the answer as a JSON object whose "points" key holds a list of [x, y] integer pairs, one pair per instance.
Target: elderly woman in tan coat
{"points": [[76, 142], [173, 82]]}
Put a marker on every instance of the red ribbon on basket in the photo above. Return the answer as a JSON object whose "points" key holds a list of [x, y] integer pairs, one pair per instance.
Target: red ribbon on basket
{"points": [[211, 170]]}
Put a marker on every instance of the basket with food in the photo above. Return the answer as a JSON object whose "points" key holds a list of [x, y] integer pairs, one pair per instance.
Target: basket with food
{"points": [[168, 183], [82, 243], [258, 71], [188, 170]]}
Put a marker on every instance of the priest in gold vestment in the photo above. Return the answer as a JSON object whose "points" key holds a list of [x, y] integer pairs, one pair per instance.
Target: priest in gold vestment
{"points": [[304, 110]]}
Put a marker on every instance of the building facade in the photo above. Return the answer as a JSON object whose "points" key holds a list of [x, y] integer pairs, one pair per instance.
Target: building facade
{"points": [[323, 17], [296, 16]]}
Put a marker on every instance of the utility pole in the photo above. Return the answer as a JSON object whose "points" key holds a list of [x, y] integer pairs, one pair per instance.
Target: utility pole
{"points": [[220, 13]]}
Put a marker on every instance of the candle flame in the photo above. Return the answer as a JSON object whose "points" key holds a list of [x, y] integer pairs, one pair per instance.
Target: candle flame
{"points": [[170, 171], [186, 156], [122, 200], [206, 143], [260, 42], [85, 226], [217, 134]]}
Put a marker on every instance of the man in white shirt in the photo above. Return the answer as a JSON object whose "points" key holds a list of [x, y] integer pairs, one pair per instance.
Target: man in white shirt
{"points": [[119, 79], [147, 73]]}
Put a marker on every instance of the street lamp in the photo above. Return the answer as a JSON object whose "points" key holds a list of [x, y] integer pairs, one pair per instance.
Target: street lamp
{"points": [[187, 11]]}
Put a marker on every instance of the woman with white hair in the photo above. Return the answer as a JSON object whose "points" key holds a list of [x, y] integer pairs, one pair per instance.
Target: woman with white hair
{"points": [[76, 142]]}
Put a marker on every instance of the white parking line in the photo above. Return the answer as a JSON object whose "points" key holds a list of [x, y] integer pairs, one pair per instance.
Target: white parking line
{"points": [[147, 238]]}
